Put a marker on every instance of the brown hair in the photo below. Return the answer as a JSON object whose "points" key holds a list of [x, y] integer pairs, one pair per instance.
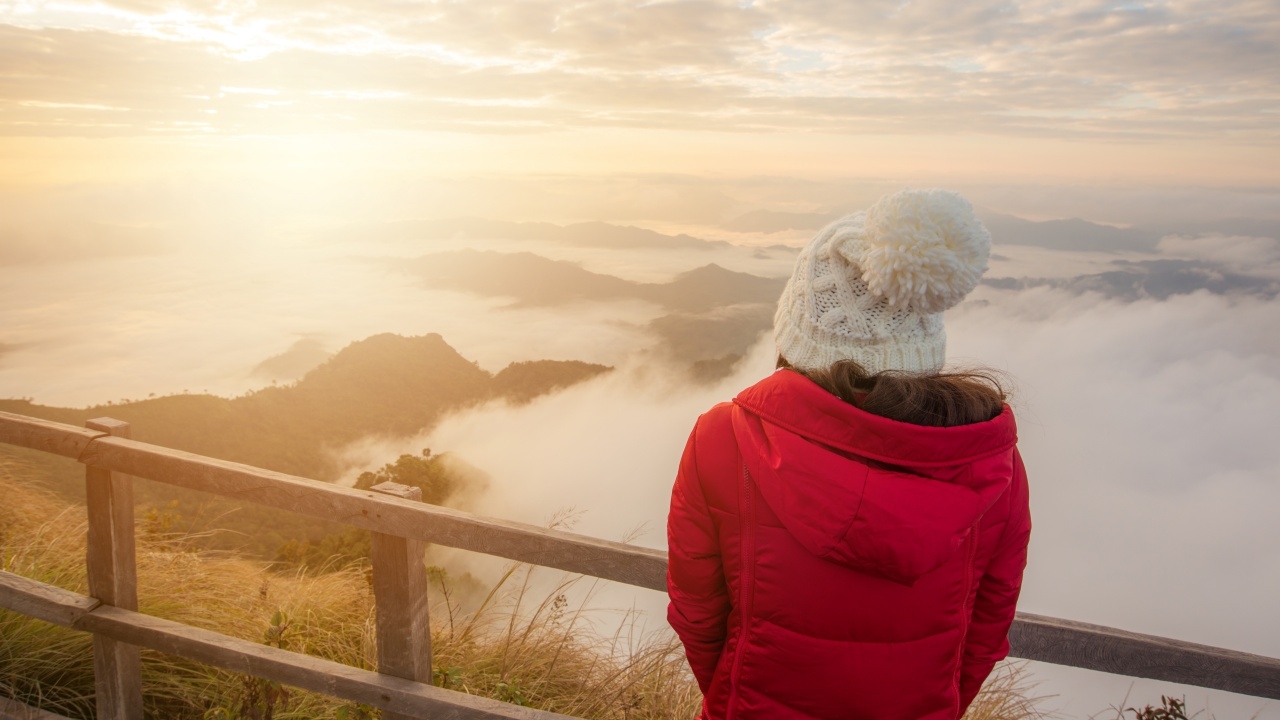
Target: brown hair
{"points": [[935, 399]]}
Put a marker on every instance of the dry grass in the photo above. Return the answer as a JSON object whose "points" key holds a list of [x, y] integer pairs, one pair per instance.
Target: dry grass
{"points": [[519, 645], [1008, 694], [542, 650]]}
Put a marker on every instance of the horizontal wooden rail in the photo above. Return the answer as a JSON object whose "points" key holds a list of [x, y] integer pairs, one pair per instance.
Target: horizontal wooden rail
{"points": [[1032, 637], [391, 694], [642, 567], [1105, 649], [45, 435]]}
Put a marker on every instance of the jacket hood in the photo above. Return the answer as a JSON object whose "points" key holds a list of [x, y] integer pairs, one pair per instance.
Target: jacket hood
{"points": [[880, 496]]}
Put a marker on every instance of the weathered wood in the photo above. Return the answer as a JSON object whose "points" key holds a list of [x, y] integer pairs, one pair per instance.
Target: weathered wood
{"points": [[112, 554], [392, 694], [403, 626], [112, 570], [1095, 647], [372, 511], [14, 710], [42, 601], [45, 435], [395, 489]]}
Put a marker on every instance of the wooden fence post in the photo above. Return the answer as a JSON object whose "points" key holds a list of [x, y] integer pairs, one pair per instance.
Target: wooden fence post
{"points": [[113, 579], [400, 596]]}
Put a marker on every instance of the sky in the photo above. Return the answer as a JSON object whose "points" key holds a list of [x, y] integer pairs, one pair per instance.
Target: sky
{"points": [[1173, 92], [190, 188]]}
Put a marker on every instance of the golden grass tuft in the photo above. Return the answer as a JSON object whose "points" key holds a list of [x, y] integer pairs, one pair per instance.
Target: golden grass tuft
{"points": [[1007, 695], [519, 645]]}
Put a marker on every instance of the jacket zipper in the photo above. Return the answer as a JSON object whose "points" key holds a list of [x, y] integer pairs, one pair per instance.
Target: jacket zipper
{"points": [[966, 610], [747, 591]]}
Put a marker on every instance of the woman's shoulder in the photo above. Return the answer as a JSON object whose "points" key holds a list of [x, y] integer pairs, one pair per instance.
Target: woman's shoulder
{"points": [[715, 457], [718, 414], [715, 425]]}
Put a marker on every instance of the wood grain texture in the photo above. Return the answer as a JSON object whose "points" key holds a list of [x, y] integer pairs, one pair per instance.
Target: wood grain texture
{"points": [[45, 435], [112, 554], [642, 567], [403, 624], [42, 601], [14, 710], [1095, 647], [395, 489], [112, 570]]}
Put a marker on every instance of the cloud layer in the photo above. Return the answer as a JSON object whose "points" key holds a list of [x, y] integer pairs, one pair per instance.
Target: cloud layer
{"points": [[1089, 68]]}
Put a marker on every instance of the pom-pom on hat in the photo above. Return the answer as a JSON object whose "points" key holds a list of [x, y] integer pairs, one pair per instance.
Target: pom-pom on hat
{"points": [[871, 287]]}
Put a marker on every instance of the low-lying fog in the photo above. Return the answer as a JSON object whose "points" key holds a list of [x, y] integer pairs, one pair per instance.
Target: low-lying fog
{"points": [[1147, 420]]}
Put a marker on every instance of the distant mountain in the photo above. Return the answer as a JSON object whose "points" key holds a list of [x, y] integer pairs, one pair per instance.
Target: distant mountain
{"points": [[714, 316], [527, 278], [385, 385], [305, 354], [531, 279], [1155, 279], [1251, 227], [586, 234], [713, 339], [712, 286], [521, 382], [772, 221], [1073, 234], [1082, 235], [599, 234]]}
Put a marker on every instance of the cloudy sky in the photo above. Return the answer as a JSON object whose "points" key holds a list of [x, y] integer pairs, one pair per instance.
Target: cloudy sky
{"points": [[1165, 91]]}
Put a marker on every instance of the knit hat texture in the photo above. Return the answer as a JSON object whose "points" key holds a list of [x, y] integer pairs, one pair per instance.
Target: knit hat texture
{"points": [[871, 287]]}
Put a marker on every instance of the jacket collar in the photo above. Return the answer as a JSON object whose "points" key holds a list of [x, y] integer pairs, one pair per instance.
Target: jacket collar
{"points": [[792, 401]]}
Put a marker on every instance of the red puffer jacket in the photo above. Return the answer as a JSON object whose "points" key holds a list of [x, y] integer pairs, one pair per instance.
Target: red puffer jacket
{"points": [[831, 563]]}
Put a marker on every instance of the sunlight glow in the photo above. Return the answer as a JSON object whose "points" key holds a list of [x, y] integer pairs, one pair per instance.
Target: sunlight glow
{"points": [[927, 88]]}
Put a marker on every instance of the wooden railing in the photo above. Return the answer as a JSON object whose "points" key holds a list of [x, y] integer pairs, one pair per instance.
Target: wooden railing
{"points": [[400, 525]]}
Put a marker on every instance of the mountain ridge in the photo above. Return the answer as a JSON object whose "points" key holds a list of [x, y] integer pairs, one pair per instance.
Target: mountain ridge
{"points": [[595, 233], [531, 279], [1073, 234], [386, 384]]}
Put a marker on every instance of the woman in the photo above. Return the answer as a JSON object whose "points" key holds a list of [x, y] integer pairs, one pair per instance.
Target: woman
{"points": [[847, 537]]}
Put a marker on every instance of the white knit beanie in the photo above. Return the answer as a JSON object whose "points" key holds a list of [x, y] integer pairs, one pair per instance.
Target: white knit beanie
{"points": [[871, 286]]}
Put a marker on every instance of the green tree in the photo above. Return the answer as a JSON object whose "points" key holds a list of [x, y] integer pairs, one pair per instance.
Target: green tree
{"points": [[426, 471]]}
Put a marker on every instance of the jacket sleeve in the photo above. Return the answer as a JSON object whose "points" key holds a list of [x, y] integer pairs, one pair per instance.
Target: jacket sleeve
{"points": [[699, 598], [987, 641]]}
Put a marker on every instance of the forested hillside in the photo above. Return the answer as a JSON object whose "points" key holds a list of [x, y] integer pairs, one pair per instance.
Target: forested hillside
{"points": [[386, 385]]}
